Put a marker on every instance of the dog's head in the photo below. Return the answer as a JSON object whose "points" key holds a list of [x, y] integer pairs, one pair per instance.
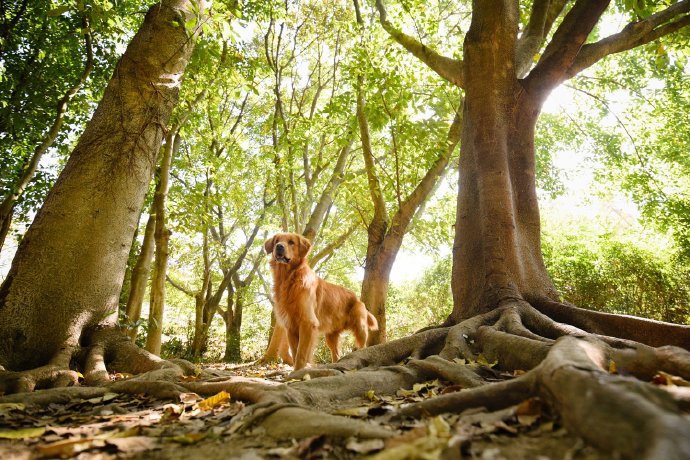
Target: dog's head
{"points": [[287, 248]]}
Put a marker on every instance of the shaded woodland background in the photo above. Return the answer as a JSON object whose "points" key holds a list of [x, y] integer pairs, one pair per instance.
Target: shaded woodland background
{"points": [[265, 135]]}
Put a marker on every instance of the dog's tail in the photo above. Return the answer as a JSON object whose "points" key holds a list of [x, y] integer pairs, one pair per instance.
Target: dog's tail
{"points": [[372, 324]]}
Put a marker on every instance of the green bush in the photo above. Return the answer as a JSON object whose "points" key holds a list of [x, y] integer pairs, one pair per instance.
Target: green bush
{"points": [[617, 277]]}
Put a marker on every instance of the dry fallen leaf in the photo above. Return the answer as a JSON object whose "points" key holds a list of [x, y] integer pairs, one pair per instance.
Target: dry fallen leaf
{"points": [[69, 447], [134, 444], [663, 378], [481, 359], [364, 447], [23, 433], [214, 401], [189, 398], [532, 406], [7, 407]]}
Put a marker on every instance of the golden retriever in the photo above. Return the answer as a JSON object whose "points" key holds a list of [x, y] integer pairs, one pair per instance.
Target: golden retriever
{"points": [[307, 305]]}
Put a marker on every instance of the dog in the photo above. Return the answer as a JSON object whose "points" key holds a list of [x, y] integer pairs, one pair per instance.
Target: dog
{"points": [[306, 305]]}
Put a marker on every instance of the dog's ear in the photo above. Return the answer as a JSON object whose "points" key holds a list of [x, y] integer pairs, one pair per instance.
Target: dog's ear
{"points": [[304, 246], [268, 245]]}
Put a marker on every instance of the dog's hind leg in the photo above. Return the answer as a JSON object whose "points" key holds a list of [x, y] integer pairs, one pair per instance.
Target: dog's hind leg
{"points": [[333, 343]]}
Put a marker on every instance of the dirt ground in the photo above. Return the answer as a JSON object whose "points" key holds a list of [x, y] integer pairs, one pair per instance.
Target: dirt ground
{"points": [[135, 426]]}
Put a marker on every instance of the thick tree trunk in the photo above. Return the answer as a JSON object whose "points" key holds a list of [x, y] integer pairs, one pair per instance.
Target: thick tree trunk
{"points": [[69, 268], [29, 170], [497, 252]]}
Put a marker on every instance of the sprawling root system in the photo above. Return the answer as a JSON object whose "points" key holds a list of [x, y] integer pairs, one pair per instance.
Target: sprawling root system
{"points": [[597, 384]]}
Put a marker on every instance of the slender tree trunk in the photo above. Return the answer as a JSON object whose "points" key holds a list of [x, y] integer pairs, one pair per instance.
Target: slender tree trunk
{"points": [[5, 225], [161, 237], [375, 292], [233, 325], [140, 277]]}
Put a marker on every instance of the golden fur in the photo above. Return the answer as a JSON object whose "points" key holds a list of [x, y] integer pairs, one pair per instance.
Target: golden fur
{"points": [[307, 305]]}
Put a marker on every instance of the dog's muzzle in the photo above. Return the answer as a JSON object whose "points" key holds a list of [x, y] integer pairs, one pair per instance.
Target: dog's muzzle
{"points": [[279, 254]]}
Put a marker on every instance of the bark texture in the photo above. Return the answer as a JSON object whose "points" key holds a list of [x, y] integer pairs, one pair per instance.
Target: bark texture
{"points": [[70, 265]]}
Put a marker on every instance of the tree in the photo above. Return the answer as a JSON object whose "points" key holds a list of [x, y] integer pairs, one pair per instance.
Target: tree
{"points": [[385, 235], [505, 306], [69, 267], [591, 368]]}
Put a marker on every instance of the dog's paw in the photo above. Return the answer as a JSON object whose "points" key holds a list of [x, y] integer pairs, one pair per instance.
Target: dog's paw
{"points": [[309, 373]]}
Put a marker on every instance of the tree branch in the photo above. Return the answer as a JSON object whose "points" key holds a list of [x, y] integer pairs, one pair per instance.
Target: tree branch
{"points": [[380, 213], [414, 200], [326, 199], [448, 68], [635, 34], [335, 244], [179, 286], [566, 43], [542, 17]]}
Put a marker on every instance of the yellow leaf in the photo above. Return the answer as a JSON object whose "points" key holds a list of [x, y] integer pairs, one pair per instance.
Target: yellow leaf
{"points": [[613, 369], [214, 401], [7, 407], [439, 427], [481, 359], [23, 433], [371, 395]]}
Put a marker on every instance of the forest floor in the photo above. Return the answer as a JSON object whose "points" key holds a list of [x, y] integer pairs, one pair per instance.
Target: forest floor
{"points": [[135, 426]]}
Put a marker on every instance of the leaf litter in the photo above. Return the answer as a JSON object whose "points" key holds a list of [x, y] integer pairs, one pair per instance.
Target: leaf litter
{"points": [[135, 426]]}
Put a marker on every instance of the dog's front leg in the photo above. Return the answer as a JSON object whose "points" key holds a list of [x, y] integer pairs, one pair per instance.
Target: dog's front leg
{"points": [[308, 333]]}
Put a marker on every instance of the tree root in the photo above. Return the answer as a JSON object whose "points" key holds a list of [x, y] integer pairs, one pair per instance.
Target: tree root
{"points": [[565, 365], [587, 376]]}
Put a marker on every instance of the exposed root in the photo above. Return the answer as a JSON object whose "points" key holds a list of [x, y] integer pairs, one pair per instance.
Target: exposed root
{"points": [[566, 366], [270, 419], [54, 396], [493, 397], [646, 331], [312, 423], [585, 377], [49, 376], [614, 412]]}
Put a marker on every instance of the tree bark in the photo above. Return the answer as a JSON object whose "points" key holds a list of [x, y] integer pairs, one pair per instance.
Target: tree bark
{"points": [[7, 205], [385, 235], [161, 237], [497, 249], [69, 268], [140, 277]]}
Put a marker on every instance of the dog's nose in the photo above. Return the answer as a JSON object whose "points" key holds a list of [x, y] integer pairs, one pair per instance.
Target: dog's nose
{"points": [[280, 248]]}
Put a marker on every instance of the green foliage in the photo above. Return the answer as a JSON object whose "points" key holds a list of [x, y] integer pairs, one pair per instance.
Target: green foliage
{"points": [[424, 302], [618, 276], [41, 56]]}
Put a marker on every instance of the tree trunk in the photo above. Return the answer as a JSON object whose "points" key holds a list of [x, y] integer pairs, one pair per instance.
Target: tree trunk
{"points": [[140, 277], [497, 249], [29, 170], [375, 293], [161, 237], [69, 268], [233, 325]]}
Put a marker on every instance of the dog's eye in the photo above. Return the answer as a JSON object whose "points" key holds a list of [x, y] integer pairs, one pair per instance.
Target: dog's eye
{"points": [[290, 242]]}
